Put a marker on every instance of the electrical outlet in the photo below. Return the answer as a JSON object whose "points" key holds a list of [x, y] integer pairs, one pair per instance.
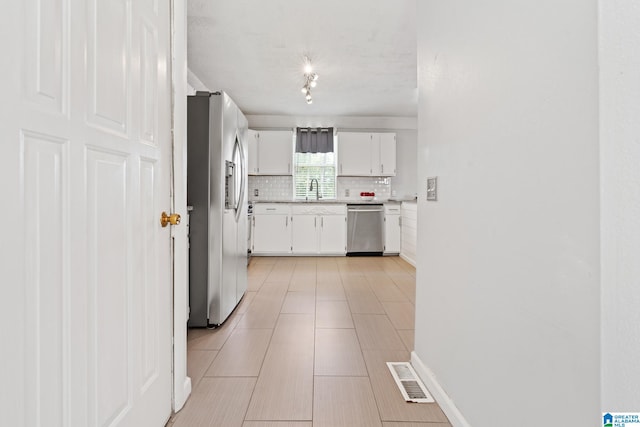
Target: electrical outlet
{"points": [[255, 192], [346, 192], [432, 188]]}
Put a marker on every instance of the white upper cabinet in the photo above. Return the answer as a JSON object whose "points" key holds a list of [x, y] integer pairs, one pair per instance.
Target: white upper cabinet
{"points": [[366, 154], [252, 156], [273, 152], [354, 154], [387, 154]]}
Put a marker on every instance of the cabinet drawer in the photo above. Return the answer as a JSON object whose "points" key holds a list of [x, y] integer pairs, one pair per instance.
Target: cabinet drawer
{"points": [[271, 209], [392, 209]]}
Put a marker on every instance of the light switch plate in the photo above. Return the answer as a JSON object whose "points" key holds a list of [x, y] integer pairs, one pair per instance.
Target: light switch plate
{"points": [[432, 188], [255, 192]]}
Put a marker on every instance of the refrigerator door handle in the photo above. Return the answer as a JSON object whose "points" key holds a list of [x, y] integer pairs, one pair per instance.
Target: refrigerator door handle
{"points": [[238, 169]]}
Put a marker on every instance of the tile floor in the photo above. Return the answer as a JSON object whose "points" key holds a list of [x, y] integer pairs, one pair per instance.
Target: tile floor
{"points": [[307, 346]]}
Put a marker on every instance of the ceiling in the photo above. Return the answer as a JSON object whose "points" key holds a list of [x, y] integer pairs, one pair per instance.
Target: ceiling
{"points": [[363, 50]]}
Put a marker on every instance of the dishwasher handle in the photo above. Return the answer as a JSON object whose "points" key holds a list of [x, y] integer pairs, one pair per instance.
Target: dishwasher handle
{"points": [[364, 210]]}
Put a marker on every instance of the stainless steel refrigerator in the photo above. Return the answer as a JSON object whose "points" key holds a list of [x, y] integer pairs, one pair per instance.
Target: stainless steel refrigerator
{"points": [[217, 189]]}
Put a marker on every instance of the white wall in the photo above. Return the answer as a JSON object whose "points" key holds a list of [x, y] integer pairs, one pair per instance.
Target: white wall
{"points": [[508, 257], [620, 196], [404, 183]]}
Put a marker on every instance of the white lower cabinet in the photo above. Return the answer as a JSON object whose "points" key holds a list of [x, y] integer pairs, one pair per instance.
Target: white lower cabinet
{"points": [[299, 229], [304, 234], [333, 234], [392, 229], [318, 229], [409, 212], [271, 229]]}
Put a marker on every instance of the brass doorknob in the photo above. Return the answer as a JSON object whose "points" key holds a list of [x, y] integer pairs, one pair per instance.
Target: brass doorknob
{"points": [[166, 219]]}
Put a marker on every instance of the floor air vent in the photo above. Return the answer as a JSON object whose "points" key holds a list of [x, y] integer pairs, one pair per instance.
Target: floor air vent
{"points": [[408, 382]]}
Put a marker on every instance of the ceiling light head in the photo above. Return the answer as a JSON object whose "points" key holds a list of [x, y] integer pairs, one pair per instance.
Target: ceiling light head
{"points": [[308, 69], [309, 80]]}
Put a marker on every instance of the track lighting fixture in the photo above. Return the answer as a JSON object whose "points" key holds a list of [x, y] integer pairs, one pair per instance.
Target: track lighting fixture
{"points": [[310, 79]]}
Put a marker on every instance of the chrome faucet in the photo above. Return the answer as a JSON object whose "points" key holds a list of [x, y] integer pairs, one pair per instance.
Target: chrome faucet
{"points": [[317, 188]]}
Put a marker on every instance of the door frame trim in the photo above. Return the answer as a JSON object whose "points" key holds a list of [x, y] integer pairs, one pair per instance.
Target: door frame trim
{"points": [[180, 315]]}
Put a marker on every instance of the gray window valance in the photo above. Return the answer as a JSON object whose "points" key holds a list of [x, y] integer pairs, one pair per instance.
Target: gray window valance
{"points": [[314, 140]]}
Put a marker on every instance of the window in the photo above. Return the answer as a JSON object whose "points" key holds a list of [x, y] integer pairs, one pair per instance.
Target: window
{"points": [[320, 166]]}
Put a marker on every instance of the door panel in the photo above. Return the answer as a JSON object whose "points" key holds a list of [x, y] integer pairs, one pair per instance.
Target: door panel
{"points": [[109, 58], [47, 286], [108, 284], [86, 161], [47, 50]]}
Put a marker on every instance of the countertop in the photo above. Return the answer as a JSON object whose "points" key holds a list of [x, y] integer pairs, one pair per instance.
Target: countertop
{"points": [[332, 201]]}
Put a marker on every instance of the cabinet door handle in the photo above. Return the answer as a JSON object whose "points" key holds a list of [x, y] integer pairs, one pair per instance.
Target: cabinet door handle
{"points": [[400, 221], [381, 168], [315, 221], [322, 222], [254, 220], [287, 221]]}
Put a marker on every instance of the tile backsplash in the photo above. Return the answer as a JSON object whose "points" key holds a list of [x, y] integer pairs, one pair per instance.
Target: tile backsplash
{"points": [[270, 187], [349, 187]]}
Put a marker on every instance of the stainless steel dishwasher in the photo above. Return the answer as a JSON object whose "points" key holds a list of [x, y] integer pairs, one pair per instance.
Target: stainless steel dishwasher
{"points": [[364, 229]]}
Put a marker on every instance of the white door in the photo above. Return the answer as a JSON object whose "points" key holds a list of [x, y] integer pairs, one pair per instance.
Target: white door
{"points": [[86, 275]]}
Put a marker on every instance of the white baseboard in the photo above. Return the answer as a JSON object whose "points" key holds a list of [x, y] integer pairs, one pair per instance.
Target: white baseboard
{"points": [[406, 258], [446, 404]]}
